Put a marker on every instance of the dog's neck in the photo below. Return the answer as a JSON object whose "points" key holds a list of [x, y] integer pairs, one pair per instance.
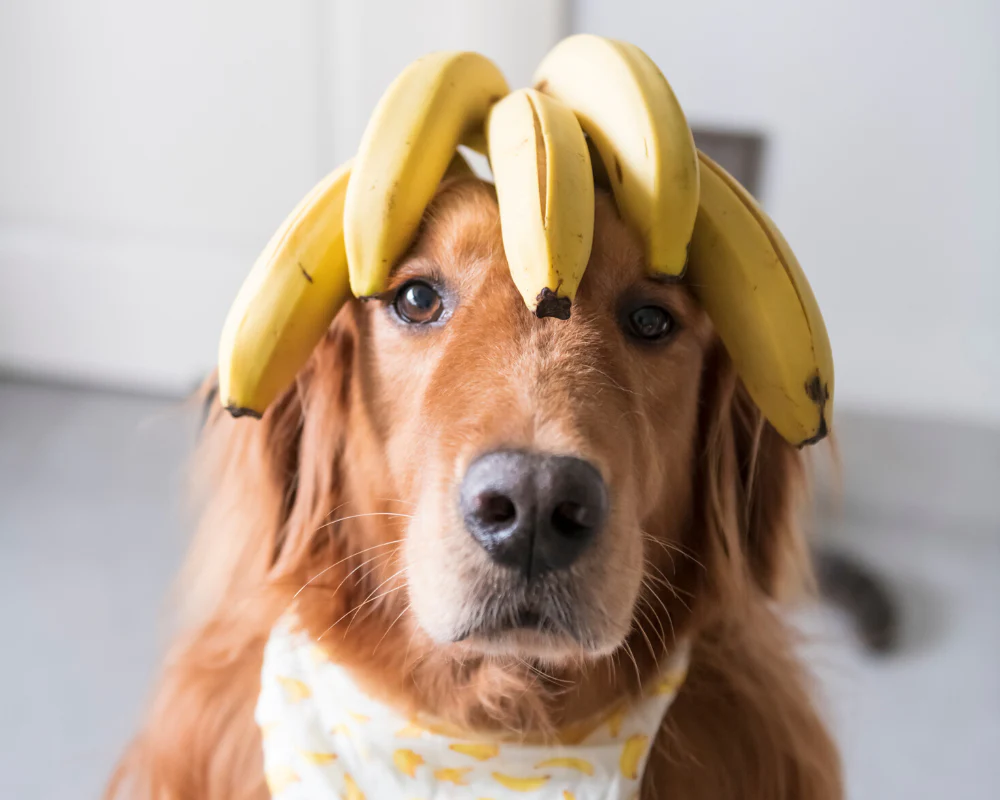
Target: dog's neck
{"points": [[326, 735]]}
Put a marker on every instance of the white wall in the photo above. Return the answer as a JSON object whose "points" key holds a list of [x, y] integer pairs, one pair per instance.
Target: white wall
{"points": [[883, 170], [149, 150]]}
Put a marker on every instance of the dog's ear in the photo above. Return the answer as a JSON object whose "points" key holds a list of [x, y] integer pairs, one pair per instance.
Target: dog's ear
{"points": [[264, 486], [752, 486], [772, 480]]}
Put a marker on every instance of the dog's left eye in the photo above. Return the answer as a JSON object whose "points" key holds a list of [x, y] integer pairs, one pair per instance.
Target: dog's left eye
{"points": [[418, 303], [650, 323]]}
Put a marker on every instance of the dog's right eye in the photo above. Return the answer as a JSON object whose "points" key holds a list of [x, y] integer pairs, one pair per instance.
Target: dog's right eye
{"points": [[418, 303]]}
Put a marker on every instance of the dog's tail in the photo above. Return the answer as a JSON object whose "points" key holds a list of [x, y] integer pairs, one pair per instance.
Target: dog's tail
{"points": [[862, 594]]}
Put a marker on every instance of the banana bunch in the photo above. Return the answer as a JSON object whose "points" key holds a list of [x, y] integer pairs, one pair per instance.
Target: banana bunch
{"points": [[599, 106]]}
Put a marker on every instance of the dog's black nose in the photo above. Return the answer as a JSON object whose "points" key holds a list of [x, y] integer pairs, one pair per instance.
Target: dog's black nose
{"points": [[533, 512]]}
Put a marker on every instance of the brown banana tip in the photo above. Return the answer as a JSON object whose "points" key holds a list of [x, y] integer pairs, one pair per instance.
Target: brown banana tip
{"points": [[819, 393], [820, 434], [550, 304], [668, 277], [242, 411]]}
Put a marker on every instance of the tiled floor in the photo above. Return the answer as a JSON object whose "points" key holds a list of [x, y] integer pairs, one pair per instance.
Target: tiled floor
{"points": [[91, 535]]}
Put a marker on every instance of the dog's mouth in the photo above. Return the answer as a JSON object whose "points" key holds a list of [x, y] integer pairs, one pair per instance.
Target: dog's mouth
{"points": [[534, 618], [518, 619]]}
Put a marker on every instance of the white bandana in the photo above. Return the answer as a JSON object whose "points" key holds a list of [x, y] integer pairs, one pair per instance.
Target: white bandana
{"points": [[324, 739]]}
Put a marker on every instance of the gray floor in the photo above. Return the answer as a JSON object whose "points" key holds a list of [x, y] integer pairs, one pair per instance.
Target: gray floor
{"points": [[91, 535]]}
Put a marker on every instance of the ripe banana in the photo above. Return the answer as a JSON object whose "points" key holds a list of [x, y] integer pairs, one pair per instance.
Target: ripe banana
{"points": [[287, 302], [407, 761], [750, 283], [434, 104], [545, 189], [633, 753], [516, 784], [455, 775], [351, 790], [579, 764], [480, 752], [628, 109]]}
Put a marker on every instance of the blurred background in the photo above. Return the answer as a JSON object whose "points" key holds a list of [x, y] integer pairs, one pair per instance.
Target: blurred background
{"points": [[149, 150]]}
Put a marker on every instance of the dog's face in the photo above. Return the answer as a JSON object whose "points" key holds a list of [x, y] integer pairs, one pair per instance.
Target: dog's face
{"points": [[544, 462]]}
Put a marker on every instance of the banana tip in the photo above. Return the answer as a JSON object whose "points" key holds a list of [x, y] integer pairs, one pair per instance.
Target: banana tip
{"points": [[550, 304], [243, 411]]}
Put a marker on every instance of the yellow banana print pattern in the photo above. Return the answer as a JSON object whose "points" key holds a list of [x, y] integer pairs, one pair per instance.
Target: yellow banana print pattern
{"points": [[325, 739]]}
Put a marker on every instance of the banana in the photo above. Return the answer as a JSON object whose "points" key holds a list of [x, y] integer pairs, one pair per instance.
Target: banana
{"points": [[435, 103], [748, 280], [632, 754], [351, 790], [287, 302], [579, 764], [545, 189], [295, 690], [628, 109], [520, 784], [455, 775], [407, 761], [480, 752], [318, 758]]}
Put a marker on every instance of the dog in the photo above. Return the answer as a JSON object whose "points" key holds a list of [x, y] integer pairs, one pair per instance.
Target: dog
{"points": [[383, 496]]}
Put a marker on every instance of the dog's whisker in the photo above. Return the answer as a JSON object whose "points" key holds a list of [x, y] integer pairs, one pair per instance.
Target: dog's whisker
{"points": [[346, 558], [372, 598], [638, 673], [367, 514], [666, 611], [389, 628], [358, 608], [649, 643], [359, 566]]}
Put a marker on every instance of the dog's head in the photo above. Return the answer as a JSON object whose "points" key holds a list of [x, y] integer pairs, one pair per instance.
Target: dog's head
{"points": [[539, 458], [452, 475]]}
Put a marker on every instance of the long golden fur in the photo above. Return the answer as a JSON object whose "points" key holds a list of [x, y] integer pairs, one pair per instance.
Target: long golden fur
{"points": [[346, 487]]}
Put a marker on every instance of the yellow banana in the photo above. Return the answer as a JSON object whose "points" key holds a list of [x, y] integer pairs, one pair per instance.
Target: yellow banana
{"points": [[287, 302], [579, 764], [318, 758], [545, 188], [480, 752], [750, 283], [407, 761], [632, 754], [435, 103], [521, 784], [628, 109], [455, 775], [295, 690], [351, 790]]}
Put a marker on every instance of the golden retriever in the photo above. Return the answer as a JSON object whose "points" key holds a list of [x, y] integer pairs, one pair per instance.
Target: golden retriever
{"points": [[423, 422]]}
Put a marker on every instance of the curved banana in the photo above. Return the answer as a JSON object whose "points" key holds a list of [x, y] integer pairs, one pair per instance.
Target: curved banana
{"points": [[579, 764], [633, 753], [545, 189], [750, 283], [517, 784], [480, 752], [435, 103], [407, 762], [287, 302], [628, 109]]}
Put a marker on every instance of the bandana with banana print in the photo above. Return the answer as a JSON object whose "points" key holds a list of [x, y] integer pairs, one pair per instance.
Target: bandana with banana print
{"points": [[324, 738]]}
